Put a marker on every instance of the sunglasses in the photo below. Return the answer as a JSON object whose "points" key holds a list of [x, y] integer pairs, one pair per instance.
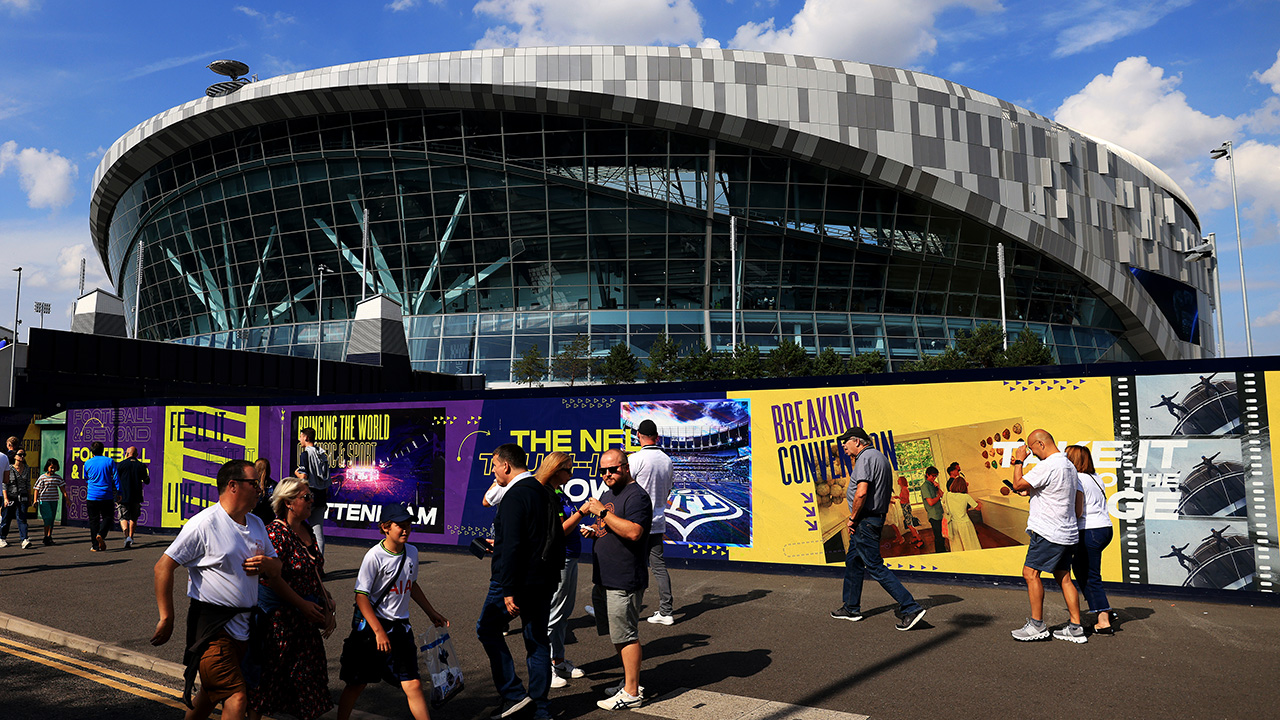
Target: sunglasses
{"points": [[611, 470], [307, 497], [253, 483]]}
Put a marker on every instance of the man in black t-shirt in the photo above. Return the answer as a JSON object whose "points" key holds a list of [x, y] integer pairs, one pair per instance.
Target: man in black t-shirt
{"points": [[620, 570], [133, 475]]}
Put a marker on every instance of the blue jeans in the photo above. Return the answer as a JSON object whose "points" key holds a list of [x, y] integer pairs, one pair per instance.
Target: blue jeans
{"points": [[864, 559], [1086, 566], [534, 604], [17, 510]]}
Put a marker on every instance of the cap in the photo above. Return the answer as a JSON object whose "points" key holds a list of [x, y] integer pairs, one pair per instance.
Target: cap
{"points": [[395, 512], [648, 428], [855, 432]]}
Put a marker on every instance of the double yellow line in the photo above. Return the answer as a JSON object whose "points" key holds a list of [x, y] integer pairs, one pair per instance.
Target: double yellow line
{"points": [[103, 676]]}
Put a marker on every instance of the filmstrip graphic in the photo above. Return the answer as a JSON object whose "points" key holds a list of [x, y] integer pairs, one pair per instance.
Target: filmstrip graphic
{"points": [[1261, 502], [1201, 447], [1133, 550]]}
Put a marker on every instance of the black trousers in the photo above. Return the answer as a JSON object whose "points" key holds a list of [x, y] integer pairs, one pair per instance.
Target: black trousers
{"points": [[101, 515]]}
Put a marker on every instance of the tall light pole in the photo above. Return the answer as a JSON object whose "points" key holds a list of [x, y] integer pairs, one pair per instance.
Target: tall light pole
{"points": [[43, 308], [321, 270], [17, 302], [1225, 151]]}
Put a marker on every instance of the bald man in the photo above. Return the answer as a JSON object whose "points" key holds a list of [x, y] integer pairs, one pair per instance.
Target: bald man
{"points": [[133, 475], [1051, 525]]}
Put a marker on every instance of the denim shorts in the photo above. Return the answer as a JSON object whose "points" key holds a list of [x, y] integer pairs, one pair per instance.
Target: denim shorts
{"points": [[1047, 556]]}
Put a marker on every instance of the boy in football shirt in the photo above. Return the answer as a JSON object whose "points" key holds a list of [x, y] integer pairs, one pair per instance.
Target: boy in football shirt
{"points": [[388, 579]]}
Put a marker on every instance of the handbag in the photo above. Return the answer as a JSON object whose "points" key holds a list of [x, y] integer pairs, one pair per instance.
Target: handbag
{"points": [[436, 649]]}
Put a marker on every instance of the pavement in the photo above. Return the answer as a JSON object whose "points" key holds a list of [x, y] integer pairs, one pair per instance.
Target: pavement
{"points": [[744, 645]]}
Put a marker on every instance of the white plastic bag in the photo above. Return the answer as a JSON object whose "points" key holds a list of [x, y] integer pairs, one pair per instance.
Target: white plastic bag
{"points": [[435, 650]]}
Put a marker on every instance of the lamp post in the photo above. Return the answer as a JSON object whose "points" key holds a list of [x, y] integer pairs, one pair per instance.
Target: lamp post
{"points": [[1206, 251], [321, 270], [17, 303], [1226, 151]]}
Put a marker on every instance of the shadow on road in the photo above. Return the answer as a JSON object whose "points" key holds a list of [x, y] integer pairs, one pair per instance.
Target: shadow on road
{"points": [[711, 601], [29, 569]]}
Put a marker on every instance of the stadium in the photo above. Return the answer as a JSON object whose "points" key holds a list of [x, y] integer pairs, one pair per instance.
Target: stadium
{"points": [[517, 197]]}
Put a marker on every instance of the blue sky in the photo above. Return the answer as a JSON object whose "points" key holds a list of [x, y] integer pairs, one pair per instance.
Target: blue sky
{"points": [[1168, 79]]}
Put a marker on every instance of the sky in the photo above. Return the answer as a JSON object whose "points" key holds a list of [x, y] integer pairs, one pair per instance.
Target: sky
{"points": [[1168, 79]]}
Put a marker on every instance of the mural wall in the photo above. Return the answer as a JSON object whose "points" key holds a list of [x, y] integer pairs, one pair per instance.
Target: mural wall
{"points": [[1185, 460]]}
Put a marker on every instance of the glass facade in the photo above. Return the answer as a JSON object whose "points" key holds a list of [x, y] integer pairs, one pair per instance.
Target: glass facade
{"points": [[498, 230]]}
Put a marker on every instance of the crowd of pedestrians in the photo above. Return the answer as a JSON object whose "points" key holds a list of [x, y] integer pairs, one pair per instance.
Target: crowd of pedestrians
{"points": [[259, 611]]}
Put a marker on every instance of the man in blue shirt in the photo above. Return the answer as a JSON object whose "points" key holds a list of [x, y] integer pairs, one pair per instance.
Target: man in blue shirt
{"points": [[104, 486]]}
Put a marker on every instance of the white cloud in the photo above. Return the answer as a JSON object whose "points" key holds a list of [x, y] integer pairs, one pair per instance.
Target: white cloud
{"points": [[1271, 76], [274, 66], [888, 32], [526, 23], [269, 20], [1097, 22], [399, 5], [173, 62], [43, 174], [1271, 319], [18, 4], [49, 253], [1140, 108]]}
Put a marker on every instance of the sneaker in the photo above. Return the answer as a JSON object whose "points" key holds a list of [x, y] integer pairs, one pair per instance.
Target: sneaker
{"points": [[26, 544], [614, 690], [102, 544], [1071, 633], [557, 681], [621, 700], [909, 621], [585, 608], [1031, 631], [510, 708], [842, 613], [659, 619], [566, 669], [128, 542], [47, 541], [4, 543]]}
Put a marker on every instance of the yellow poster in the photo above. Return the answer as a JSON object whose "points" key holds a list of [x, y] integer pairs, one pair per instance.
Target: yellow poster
{"points": [[198, 440]]}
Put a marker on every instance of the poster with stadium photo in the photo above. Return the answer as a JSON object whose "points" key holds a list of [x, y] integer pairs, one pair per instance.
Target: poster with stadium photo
{"points": [[709, 442]]}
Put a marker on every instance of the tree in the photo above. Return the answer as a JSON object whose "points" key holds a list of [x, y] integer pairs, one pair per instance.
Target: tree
{"points": [[830, 362], [619, 367], [746, 363], [531, 368], [867, 363], [1027, 349], [983, 347], [699, 364], [788, 360], [663, 364], [952, 359], [574, 361]]}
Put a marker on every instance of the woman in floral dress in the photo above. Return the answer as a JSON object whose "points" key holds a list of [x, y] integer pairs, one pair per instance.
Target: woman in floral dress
{"points": [[295, 674]]}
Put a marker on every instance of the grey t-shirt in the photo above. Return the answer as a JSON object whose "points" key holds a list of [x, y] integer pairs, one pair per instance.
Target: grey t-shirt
{"points": [[873, 468]]}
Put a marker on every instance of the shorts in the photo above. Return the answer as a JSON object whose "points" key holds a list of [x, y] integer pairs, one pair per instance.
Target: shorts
{"points": [[130, 510], [1047, 556], [620, 619], [48, 508], [362, 664], [220, 673]]}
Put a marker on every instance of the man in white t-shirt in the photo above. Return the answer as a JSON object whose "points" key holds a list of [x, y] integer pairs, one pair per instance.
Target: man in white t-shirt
{"points": [[1052, 526], [225, 549], [651, 469]]}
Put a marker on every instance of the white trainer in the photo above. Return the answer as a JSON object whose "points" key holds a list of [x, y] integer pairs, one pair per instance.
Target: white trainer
{"points": [[659, 619], [26, 543], [620, 700], [566, 669]]}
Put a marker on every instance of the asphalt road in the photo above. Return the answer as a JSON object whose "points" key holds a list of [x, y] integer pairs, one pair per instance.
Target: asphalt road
{"points": [[42, 681], [763, 636]]}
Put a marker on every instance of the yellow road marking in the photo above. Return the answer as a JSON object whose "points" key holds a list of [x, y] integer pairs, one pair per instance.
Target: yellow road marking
{"points": [[95, 674], [91, 667]]}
